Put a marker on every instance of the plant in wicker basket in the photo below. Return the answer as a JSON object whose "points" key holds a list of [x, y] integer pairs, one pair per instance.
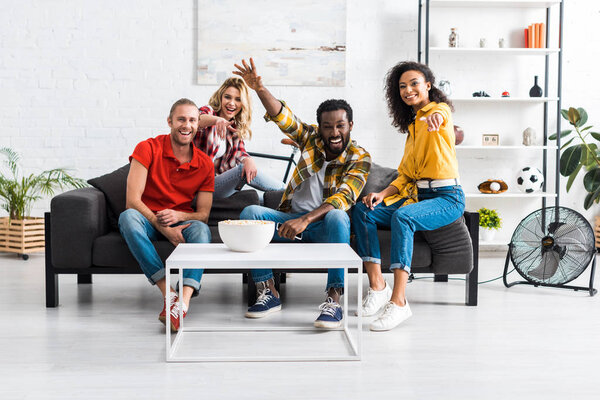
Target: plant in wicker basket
{"points": [[19, 232]]}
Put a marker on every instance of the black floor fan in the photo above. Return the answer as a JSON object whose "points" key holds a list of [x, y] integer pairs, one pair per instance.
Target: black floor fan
{"points": [[552, 247]]}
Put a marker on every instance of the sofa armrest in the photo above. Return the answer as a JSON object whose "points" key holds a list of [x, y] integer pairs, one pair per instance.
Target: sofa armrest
{"points": [[78, 217], [272, 199]]}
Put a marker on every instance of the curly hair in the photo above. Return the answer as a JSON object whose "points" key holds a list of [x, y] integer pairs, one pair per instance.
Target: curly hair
{"points": [[243, 119], [402, 114], [334, 105]]}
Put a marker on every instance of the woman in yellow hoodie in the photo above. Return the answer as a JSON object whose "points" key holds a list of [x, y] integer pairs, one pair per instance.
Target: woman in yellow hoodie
{"points": [[426, 195]]}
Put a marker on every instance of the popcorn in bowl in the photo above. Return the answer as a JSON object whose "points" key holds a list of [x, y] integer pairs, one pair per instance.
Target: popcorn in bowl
{"points": [[246, 235]]}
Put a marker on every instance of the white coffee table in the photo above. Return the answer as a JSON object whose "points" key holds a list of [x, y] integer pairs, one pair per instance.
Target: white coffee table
{"points": [[275, 255]]}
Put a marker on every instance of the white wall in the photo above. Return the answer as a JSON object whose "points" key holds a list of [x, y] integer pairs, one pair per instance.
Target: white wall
{"points": [[82, 82]]}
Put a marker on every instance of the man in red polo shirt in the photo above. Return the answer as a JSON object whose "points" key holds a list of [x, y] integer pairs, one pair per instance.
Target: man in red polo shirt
{"points": [[166, 173]]}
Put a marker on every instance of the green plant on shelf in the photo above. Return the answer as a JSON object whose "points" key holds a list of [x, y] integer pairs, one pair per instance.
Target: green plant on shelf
{"points": [[580, 153], [18, 193], [489, 218]]}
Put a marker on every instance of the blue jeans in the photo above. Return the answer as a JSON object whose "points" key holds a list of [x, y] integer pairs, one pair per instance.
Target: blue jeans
{"points": [[139, 233], [226, 182], [437, 207], [333, 228]]}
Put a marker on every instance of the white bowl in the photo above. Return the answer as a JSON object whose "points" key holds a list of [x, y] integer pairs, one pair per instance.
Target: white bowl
{"points": [[246, 235]]}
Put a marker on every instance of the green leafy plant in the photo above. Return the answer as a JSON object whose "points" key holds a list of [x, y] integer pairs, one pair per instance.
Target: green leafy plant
{"points": [[489, 218], [18, 193], [579, 153]]}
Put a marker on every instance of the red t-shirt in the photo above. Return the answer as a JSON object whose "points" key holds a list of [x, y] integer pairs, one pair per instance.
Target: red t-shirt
{"points": [[169, 183]]}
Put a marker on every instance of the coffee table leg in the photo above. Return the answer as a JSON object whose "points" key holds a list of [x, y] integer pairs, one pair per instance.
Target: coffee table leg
{"points": [[167, 310], [346, 298]]}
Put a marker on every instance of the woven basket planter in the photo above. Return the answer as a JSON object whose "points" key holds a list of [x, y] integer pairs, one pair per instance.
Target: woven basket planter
{"points": [[22, 236], [597, 232]]}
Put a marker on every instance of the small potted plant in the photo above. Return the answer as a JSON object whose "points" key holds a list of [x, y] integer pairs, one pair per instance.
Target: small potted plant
{"points": [[489, 222], [20, 233]]}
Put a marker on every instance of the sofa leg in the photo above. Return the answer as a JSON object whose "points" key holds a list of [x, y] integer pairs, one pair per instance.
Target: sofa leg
{"points": [[51, 277], [440, 278], [282, 278], [84, 278], [472, 287]]}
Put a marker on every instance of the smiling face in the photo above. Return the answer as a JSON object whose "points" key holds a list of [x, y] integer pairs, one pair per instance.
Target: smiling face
{"points": [[335, 132], [231, 103], [414, 90], [184, 124]]}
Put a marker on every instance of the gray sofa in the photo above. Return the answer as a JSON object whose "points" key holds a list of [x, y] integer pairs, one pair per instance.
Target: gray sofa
{"points": [[450, 250], [82, 235]]}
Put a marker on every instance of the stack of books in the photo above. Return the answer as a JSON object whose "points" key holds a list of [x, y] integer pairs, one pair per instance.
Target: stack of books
{"points": [[535, 36]]}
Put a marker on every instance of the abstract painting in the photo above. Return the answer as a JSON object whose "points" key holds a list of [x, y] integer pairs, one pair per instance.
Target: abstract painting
{"points": [[299, 43]]}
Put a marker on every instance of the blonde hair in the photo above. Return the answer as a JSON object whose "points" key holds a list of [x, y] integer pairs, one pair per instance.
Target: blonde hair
{"points": [[243, 119]]}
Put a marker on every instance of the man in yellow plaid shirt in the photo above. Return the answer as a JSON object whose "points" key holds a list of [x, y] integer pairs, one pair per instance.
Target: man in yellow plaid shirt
{"points": [[328, 179]]}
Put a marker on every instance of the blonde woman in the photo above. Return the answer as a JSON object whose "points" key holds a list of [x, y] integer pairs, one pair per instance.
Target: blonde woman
{"points": [[223, 126]]}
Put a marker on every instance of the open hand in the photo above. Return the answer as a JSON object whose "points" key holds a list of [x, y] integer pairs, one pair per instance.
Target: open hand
{"points": [[249, 169], [434, 121], [174, 234], [249, 74]]}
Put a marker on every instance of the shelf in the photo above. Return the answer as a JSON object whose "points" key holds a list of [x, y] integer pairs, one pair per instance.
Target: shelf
{"points": [[519, 147], [491, 50], [503, 99], [509, 195], [494, 3], [494, 243]]}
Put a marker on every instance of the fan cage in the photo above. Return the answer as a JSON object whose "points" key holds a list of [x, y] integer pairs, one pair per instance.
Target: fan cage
{"points": [[552, 246]]}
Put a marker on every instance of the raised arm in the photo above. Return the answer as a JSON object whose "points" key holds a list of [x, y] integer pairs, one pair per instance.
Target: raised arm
{"points": [[254, 82]]}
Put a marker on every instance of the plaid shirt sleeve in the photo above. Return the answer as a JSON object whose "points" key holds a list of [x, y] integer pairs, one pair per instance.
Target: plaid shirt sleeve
{"points": [[291, 125], [353, 179]]}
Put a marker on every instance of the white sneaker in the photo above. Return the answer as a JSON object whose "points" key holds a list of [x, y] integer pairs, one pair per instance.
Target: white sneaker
{"points": [[375, 300], [391, 317]]}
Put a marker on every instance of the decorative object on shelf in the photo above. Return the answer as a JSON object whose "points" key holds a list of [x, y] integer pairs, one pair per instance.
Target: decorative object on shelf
{"points": [[501, 43], [445, 87], [490, 139], [490, 222], [530, 179], [582, 154], [535, 90], [481, 93], [552, 247], [482, 42], [459, 135], [493, 186], [453, 38], [529, 136], [19, 233], [505, 94]]}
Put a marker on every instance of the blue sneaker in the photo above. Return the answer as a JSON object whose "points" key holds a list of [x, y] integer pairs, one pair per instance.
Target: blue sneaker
{"points": [[266, 303], [331, 315]]}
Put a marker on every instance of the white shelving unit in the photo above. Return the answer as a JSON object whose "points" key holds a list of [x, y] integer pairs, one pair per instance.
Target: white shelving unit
{"points": [[520, 108]]}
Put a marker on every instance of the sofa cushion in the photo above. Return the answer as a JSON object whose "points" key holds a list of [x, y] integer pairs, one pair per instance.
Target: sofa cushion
{"points": [[231, 207], [111, 250], [451, 248], [379, 178], [114, 187]]}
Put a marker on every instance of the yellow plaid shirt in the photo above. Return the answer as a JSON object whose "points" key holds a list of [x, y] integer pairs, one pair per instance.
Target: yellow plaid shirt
{"points": [[345, 176]]}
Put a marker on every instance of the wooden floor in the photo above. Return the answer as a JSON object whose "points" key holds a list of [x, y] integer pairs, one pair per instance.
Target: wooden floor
{"points": [[104, 342]]}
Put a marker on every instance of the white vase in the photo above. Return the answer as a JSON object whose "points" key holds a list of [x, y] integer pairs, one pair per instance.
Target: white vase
{"points": [[487, 234]]}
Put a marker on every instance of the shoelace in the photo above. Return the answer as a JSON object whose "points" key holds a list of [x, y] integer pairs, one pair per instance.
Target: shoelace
{"points": [[387, 311], [175, 310], [369, 298], [329, 307], [263, 297]]}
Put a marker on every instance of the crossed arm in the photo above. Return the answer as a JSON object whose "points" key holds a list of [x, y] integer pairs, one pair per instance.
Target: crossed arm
{"points": [[164, 219]]}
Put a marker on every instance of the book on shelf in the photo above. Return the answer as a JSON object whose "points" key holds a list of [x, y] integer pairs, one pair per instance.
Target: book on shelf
{"points": [[535, 37]]}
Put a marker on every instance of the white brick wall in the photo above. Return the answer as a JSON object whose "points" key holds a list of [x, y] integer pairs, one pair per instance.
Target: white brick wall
{"points": [[82, 82]]}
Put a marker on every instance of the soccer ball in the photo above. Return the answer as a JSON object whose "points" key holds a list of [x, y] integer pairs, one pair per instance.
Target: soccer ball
{"points": [[530, 179]]}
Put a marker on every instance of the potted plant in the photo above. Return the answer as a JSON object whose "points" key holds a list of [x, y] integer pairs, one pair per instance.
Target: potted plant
{"points": [[20, 233], [580, 152], [490, 222]]}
